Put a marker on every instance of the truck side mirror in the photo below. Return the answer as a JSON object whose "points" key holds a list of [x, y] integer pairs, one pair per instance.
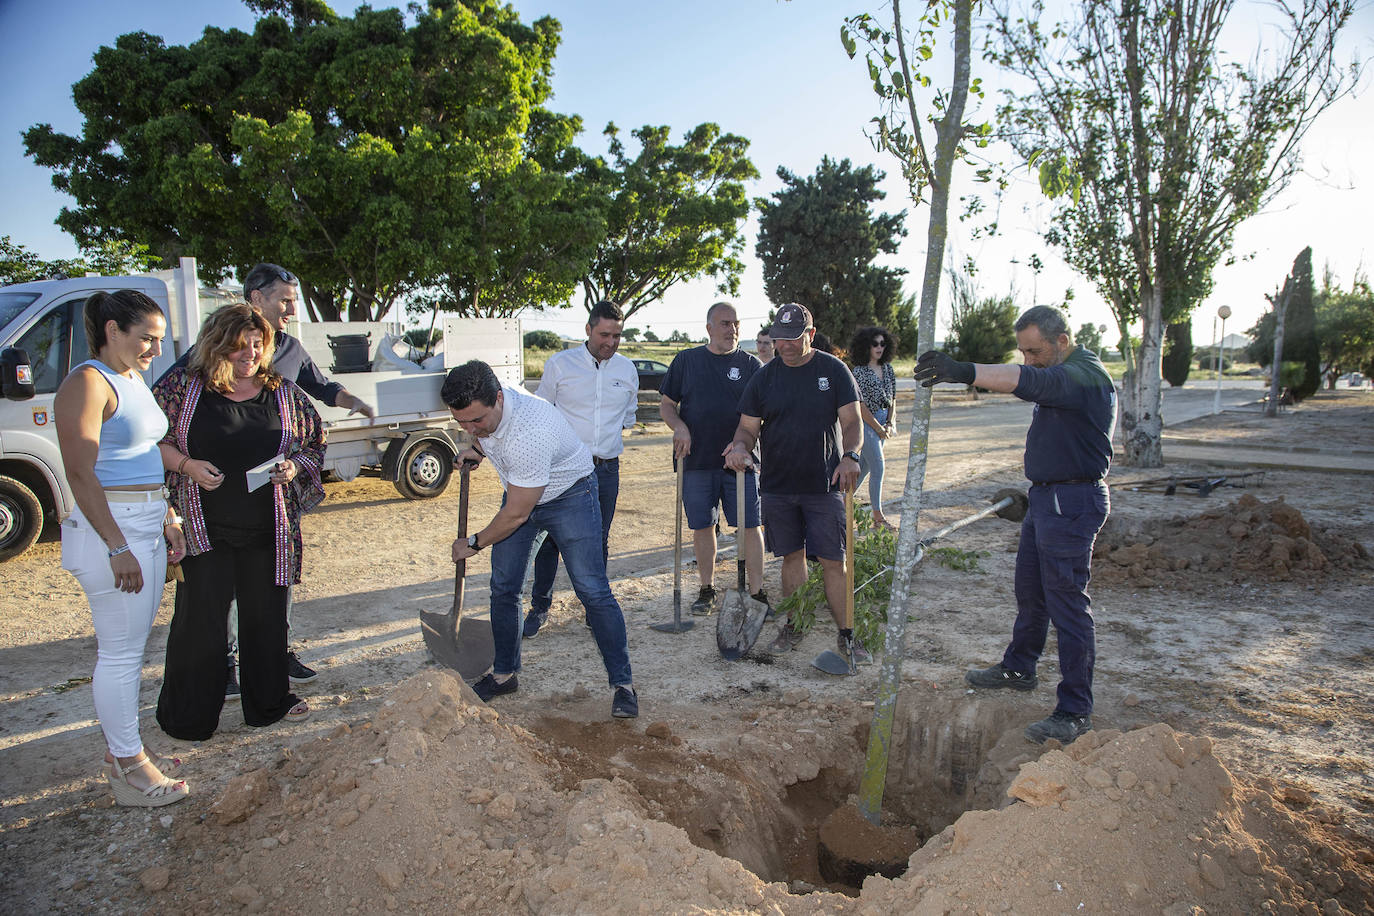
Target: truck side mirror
{"points": [[16, 374]]}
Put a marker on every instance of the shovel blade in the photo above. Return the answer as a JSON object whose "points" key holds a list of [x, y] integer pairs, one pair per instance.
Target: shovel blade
{"points": [[739, 624], [464, 646], [832, 663]]}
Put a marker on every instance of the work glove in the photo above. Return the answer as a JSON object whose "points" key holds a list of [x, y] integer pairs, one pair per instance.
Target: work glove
{"points": [[934, 366]]}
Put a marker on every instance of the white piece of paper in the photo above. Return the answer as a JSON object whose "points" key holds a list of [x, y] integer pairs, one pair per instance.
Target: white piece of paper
{"points": [[263, 473]]}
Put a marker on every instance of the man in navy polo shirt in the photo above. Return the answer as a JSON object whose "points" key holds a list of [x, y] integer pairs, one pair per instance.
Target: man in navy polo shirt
{"points": [[1068, 453], [803, 409], [701, 406]]}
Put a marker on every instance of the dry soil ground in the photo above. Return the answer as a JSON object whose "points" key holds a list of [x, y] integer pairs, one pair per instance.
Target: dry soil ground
{"points": [[1231, 769]]}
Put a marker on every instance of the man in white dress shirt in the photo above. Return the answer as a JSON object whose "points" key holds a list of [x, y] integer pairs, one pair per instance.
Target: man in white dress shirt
{"points": [[597, 390]]}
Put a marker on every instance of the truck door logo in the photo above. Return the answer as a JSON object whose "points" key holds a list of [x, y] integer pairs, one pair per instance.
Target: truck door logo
{"points": [[40, 417]]}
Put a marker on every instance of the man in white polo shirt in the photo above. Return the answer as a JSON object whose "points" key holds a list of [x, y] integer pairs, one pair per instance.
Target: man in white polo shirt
{"points": [[597, 390], [550, 486]]}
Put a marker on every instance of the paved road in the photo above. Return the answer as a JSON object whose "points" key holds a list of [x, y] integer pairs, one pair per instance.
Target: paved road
{"points": [[1002, 420]]}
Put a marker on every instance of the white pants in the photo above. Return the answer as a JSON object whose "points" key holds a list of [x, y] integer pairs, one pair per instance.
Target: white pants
{"points": [[122, 620]]}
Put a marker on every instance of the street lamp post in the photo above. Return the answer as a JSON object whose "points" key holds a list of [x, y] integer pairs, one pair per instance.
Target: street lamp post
{"points": [[1224, 312]]}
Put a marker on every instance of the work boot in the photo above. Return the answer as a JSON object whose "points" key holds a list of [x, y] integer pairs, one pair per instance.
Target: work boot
{"points": [[1062, 726], [861, 655], [1000, 676], [787, 639], [297, 671], [533, 621], [706, 601], [231, 686], [625, 704]]}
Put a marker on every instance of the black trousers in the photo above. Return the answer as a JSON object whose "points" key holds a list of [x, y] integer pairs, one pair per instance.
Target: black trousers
{"points": [[193, 684]]}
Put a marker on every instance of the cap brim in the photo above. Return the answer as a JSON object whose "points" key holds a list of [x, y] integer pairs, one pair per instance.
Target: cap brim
{"points": [[778, 333]]}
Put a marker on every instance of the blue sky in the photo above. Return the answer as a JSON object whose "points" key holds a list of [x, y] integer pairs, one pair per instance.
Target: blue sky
{"points": [[771, 71]]}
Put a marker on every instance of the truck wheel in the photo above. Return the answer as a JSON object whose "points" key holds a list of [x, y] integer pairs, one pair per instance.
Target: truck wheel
{"points": [[21, 518], [424, 469]]}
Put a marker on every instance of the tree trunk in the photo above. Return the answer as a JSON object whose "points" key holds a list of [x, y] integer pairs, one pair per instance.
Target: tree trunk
{"points": [[1141, 423], [1271, 407], [949, 131]]}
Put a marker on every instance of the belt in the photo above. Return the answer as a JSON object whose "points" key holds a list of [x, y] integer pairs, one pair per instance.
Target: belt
{"points": [[597, 462], [1050, 483], [136, 496]]}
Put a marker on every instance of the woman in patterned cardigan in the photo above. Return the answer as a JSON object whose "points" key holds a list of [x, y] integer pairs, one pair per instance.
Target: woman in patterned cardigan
{"points": [[228, 413]]}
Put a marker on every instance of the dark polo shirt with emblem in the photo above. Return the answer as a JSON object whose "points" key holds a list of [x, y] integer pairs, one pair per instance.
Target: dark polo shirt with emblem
{"points": [[800, 410], [707, 388]]}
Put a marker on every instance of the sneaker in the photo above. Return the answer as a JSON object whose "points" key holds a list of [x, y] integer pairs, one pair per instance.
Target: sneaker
{"points": [[626, 703], [1000, 676], [706, 601], [298, 672], [861, 655], [762, 595], [488, 687], [787, 639], [1062, 726], [231, 686], [533, 621]]}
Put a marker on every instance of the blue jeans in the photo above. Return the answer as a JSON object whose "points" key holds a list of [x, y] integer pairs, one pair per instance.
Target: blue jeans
{"points": [[1052, 573], [871, 461], [546, 560], [574, 520]]}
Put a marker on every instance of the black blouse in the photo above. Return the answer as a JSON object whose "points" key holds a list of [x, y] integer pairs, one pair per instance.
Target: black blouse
{"points": [[235, 436]]}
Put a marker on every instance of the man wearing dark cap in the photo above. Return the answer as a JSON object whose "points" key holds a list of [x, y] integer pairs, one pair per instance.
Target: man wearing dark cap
{"points": [[802, 408]]}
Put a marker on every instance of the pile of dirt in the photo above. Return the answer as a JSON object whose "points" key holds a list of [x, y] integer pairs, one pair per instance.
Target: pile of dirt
{"points": [[1246, 540], [437, 805]]}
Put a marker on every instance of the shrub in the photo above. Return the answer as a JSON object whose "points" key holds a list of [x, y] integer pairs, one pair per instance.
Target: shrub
{"points": [[543, 340]]}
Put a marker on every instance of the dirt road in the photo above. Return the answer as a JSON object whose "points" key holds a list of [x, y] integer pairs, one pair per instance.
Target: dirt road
{"points": [[1277, 670]]}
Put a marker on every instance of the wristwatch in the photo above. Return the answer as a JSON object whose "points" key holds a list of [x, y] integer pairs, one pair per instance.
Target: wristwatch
{"points": [[472, 542], [853, 456]]}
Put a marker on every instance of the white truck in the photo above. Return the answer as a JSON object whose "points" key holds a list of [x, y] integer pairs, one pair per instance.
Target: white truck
{"points": [[412, 440]]}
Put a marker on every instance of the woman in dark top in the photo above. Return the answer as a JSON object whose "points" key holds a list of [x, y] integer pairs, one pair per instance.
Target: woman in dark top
{"points": [[871, 353], [230, 413]]}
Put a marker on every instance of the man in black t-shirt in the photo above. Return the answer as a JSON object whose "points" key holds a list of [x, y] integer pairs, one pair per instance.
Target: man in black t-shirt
{"points": [[803, 409], [700, 404]]}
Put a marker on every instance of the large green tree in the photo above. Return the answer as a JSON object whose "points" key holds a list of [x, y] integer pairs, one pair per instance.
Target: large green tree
{"points": [[982, 329], [1300, 335], [1345, 327], [360, 150], [818, 239], [1173, 145], [674, 213]]}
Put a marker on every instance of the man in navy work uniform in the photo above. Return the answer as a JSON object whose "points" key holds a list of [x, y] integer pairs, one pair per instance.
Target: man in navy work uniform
{"points": [[700, 404], [803, 409], [273, 290], [550, 486], [1068, 453], [597, 391]]}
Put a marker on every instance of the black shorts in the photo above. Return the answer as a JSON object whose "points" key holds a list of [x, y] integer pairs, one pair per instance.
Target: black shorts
{"points": [[814, 521]]}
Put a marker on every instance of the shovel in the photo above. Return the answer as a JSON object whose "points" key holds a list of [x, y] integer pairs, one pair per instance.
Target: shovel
{"points": [[741, 615], [466, 647], [829, 661], [678, 625]]}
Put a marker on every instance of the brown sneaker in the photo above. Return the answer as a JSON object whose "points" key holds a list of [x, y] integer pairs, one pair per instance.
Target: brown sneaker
{"points": [[787, 639]]}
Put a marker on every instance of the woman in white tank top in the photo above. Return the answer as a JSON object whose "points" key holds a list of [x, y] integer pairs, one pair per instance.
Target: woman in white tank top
{"points": [[119, 539]]}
